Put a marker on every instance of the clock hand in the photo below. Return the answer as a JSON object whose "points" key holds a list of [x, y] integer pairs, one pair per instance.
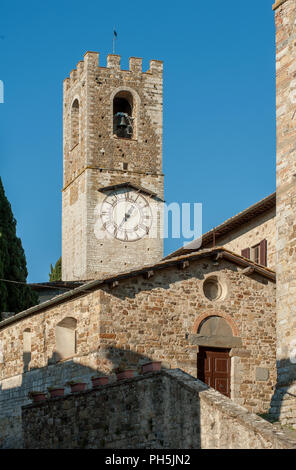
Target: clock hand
{"points": [[126, 216], [121, 223], [132, 208]]}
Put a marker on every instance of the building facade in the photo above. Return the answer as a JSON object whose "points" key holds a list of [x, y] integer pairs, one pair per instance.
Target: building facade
{"points": [[213, 310], [181, 312]]}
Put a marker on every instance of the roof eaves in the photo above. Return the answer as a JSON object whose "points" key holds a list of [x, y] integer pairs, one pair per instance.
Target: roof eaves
{"points": [[228, 225], [89, 286]]}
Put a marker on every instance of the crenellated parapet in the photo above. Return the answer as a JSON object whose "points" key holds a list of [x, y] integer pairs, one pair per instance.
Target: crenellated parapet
{"points": [[90, 64]]}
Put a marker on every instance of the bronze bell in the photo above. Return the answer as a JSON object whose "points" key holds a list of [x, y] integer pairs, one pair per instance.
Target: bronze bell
{"points": [[122, 122]]}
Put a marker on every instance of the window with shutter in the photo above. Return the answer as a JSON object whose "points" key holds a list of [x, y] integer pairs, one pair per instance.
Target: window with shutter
{"points": [[246, 253], [257, 253], [263, 253]]}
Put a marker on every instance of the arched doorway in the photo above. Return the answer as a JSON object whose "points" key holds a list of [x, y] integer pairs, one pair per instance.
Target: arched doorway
{"points": [[215, 340]]}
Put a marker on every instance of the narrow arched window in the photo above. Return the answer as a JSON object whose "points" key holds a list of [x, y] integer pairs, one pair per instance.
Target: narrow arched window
{"points": [[66, 338], [123, 115], [27, 347], [75, 123]]}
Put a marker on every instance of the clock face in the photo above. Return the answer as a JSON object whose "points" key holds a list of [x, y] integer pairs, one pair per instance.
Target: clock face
{"points": [[126, 215]]}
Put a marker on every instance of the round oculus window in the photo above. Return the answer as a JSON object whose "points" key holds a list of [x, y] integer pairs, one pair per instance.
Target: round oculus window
{"points": [[212, 289]]}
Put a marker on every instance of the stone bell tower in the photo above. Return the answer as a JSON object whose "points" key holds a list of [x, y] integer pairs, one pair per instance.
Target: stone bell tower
{"points": [[113, 182], [284, 403]]}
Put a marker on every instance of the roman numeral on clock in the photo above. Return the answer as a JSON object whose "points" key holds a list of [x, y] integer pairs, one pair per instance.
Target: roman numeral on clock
{"points": [[144, 228], [107, 224]]}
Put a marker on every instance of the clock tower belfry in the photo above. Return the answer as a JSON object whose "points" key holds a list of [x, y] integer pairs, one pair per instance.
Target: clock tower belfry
{"points": [[113, 183]]}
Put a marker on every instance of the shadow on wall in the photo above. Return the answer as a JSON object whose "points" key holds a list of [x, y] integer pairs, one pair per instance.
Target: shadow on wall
{"points": [[151, 411], [283, 402], [15, 391]]}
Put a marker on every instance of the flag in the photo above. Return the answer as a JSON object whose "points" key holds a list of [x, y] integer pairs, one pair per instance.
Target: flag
{"points": [[115, 34]]}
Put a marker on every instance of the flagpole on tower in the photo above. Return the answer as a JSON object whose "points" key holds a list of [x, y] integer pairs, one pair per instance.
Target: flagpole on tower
{"points": [[114, 37]]}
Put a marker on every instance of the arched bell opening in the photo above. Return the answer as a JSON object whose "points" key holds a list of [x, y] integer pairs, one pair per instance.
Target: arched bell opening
{"points": [[123, 119], [75, 123]]}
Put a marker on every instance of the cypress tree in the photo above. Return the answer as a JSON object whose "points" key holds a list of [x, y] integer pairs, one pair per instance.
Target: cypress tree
{"points": [[13, 266], [56, 272]]}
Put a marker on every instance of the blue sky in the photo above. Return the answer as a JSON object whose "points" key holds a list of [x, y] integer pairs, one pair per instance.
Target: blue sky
{"points": [[219, 103]]}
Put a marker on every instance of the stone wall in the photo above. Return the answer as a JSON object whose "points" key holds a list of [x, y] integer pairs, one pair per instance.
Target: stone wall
{"points": [[159, 313], [284, 403], [166, 410], [14, 392], [138, 319]]}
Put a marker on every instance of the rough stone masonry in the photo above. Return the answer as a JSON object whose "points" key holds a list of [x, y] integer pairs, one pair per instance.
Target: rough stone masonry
{"points": [[166, 410], [127, 320], [285, 396]]}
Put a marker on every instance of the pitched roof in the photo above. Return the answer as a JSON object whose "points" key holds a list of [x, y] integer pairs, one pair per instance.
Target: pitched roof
{"points": [[217, 253], [226, 227]]}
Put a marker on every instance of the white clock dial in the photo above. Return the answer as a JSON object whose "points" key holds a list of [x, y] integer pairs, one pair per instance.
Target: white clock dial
{"points": [[126, 215]]}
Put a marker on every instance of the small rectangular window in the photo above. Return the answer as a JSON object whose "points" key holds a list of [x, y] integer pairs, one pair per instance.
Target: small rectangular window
{"points": [[257, 253], [246, 253]]}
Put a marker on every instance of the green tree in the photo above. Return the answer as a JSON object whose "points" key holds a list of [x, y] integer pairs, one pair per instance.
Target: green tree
{"points": [[14, 297], [56, 272]]}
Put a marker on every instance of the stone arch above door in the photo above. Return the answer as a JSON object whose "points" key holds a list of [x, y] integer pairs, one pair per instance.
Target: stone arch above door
{"points": [[216, 329], [200, 319]]}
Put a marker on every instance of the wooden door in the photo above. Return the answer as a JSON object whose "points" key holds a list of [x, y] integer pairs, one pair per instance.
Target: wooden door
{"points": [[213, 368]]}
